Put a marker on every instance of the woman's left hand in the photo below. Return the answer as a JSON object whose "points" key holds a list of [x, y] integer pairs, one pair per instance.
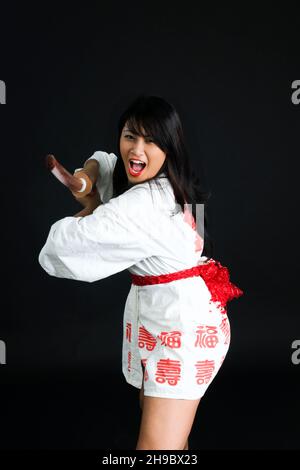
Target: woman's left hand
{"points": [[91, 198], [89, 202]]}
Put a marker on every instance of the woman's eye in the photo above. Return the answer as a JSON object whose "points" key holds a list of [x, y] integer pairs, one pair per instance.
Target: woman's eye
{"points": [[149, 140]]}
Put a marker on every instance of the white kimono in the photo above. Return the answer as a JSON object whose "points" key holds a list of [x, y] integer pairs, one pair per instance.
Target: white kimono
{"points": [[174, 329]]}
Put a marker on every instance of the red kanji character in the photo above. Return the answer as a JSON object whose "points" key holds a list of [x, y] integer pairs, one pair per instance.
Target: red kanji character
{"points": [[146, 339], [128, 332], [206, 336], [204, 371], [129, 361], [226, 330], [171, 339], [168, 370]]}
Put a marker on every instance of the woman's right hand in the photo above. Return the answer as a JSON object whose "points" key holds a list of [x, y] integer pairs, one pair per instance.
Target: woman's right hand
{"points": [[90, 197], [91, 201]]}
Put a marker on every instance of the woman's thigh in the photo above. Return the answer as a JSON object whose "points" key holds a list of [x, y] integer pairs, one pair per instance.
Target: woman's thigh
{"points": [[166, 423]]}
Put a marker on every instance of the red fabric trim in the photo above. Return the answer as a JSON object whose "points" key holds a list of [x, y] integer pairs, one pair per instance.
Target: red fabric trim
{"points": [[213, 273]]}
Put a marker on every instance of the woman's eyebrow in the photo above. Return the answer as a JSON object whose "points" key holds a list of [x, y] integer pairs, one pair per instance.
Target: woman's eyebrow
{"points": [[133, 132]]}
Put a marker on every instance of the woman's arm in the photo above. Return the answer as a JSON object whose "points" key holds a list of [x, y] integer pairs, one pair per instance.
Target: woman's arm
{"points": [[115, 236], [89, 203], [91, 168], [106, 164], [91, 200], [84, 212]]}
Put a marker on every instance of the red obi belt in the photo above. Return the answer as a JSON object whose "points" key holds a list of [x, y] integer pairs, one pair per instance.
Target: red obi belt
{"points": [[212, 272]]}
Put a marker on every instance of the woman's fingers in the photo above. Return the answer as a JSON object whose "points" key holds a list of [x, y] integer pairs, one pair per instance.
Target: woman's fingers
{"points": [[87, 185], [91, 200]]}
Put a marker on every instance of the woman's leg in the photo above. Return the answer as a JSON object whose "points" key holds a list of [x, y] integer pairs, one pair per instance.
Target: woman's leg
{"points": [[166, 423], [141, 398], [186, 447]]}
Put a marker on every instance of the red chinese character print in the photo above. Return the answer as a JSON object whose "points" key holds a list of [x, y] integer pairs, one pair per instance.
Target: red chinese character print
{"points": [[206, 336], [225, 328], [146, 376], [146, 339], [129, 361], [189, 219], [168, 370], [204, 371], [170, 339], [128, 332]]}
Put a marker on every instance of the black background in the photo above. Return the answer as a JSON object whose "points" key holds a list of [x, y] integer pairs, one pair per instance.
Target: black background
{"points": [[69, 74]]}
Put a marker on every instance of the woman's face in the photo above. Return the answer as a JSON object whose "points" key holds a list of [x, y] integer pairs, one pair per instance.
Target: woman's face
{"points": [[135, 148]]}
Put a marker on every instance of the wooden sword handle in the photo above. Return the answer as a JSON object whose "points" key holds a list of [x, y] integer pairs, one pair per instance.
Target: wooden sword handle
{"points": [[79, 183]]}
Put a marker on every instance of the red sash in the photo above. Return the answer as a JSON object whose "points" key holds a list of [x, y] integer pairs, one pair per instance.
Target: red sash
{"points": [[213, 273]]}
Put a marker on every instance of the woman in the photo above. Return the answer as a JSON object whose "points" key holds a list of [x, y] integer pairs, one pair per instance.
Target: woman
{"points": [[142, 217]]}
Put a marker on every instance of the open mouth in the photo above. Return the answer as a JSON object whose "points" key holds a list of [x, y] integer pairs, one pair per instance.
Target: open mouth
{"points": [[136, 167]]}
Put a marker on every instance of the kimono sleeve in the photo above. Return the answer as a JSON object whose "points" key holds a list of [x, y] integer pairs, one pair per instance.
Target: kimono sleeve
{"points": [[114, 237]]}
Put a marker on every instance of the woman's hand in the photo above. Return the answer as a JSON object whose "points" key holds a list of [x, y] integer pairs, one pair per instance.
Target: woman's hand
{"points": [[89, 203], [84, 212], [91, 200]]}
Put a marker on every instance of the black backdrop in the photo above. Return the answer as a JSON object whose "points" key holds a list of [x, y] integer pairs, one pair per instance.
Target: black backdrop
{"points": [[68, 75]]}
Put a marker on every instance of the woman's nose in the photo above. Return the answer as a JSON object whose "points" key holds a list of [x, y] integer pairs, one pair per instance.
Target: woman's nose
{"points": [[138, 147]]}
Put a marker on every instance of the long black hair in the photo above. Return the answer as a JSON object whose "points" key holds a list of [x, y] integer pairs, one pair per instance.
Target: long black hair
{"points": [[160, 119]]}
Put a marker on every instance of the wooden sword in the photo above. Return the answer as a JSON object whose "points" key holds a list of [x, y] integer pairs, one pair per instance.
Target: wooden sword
{"points": [[78, 183]]}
